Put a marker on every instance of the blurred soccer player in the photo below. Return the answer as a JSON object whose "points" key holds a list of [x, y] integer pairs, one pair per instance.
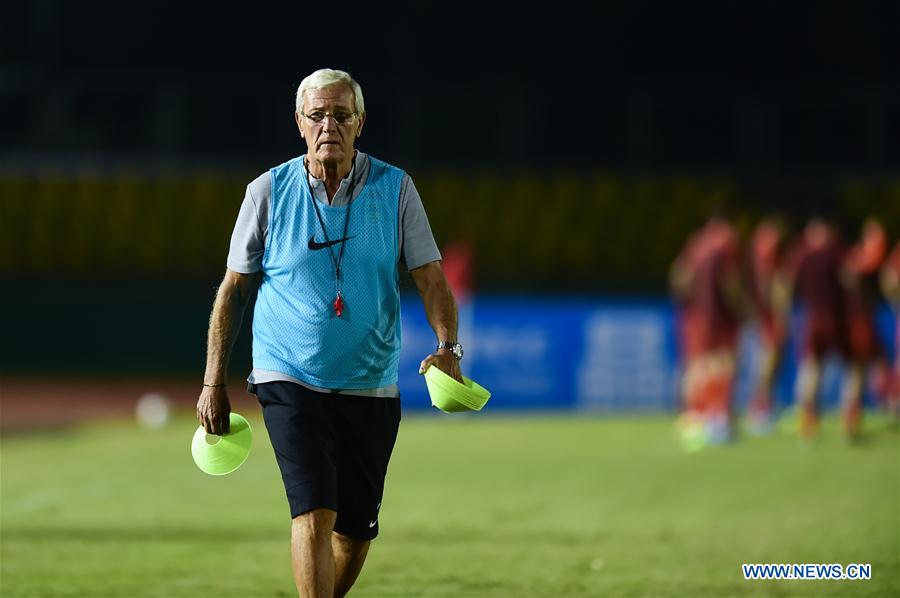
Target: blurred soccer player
{"points": [[318, 242], [812, 279], [705, 279], [890, 286], [764, 262], [860, 278]]}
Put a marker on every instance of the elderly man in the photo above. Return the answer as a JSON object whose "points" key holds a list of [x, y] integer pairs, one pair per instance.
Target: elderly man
{"points": [[318, 241]]}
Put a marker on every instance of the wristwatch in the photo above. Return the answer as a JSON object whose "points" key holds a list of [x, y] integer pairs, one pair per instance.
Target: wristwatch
{"points": [[455, 348]]}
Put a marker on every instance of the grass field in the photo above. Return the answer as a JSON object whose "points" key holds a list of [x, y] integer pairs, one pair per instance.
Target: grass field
{"points": [[552, 506]]}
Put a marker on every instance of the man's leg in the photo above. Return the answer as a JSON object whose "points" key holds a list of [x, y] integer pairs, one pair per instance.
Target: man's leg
{"points": [[693, 384], [312, 558], [807, 394], [719, 412], [762, 404], [349, 556], [766, 380], [366, 428], [851, 398]]}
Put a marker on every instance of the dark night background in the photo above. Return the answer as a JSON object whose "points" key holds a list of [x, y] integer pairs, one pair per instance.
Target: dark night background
{"points": [[573, 145], [751, 89]]}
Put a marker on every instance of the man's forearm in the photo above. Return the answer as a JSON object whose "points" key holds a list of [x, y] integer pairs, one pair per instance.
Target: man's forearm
{"points": [[440, 308], [224, 325]]}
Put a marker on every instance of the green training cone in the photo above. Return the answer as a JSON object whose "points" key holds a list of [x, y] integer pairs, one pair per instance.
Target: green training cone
{"points": [[229, 451], [450, 396]]}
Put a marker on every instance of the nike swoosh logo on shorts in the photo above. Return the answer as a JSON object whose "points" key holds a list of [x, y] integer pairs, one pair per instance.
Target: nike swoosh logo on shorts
{"points": [[314, 245], [373, 523]]}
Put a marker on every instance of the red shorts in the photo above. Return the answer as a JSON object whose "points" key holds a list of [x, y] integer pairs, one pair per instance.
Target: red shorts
{"points": [[864, 343], [771, 330], [701, 334], [824, 332]]}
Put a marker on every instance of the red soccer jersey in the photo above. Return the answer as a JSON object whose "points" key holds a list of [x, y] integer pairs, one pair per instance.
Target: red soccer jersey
{"points": [[814, 265], [764, 264], [861, 268], [710, 321]]}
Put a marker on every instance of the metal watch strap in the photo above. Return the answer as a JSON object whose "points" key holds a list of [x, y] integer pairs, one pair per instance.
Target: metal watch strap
{"points": [[454, 347]]}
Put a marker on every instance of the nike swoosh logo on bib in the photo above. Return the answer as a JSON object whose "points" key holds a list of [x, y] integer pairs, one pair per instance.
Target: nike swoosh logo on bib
{"points": [[315, 246]]}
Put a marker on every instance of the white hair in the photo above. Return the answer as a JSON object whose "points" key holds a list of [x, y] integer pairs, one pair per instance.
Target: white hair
{"points": [[325, 77]]}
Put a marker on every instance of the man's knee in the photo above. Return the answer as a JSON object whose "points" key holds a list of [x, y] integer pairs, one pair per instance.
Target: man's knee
{"points": [[352, 549], [317, 525]]}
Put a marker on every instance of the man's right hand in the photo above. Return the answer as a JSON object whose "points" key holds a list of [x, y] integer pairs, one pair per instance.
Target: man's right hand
{"points": [[214, 409]]}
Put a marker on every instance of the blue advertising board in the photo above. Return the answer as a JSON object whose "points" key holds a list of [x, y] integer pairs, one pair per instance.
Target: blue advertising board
{"points": [[552, 353]]}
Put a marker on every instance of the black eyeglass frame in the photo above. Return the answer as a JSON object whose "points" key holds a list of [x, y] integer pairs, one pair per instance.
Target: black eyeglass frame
{"points": [[324, 114]]}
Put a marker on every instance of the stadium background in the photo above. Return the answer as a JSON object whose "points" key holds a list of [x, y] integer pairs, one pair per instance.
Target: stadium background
{"points": [[573, 148], [570, 166]]}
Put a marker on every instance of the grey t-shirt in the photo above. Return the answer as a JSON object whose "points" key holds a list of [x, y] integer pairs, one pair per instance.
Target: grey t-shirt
{"points": [[248, 242]]}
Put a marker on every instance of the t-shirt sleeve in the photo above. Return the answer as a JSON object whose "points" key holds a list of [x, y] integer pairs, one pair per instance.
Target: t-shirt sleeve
{"points": [[417, 241], [248, 240]]}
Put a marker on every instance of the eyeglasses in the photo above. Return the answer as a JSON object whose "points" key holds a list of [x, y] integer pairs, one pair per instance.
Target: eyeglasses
{"points": [[340, 117]]}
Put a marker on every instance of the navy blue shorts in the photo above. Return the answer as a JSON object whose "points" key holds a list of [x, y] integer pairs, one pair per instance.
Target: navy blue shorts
{"points": [[333, 451]]}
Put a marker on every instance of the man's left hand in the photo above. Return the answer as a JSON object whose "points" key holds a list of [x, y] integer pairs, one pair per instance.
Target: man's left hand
{"points": [[444, 360]]}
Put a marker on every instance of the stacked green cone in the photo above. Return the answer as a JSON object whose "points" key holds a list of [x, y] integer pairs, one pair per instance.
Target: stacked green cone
{"points": [[228, 453], [450, 396]]}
